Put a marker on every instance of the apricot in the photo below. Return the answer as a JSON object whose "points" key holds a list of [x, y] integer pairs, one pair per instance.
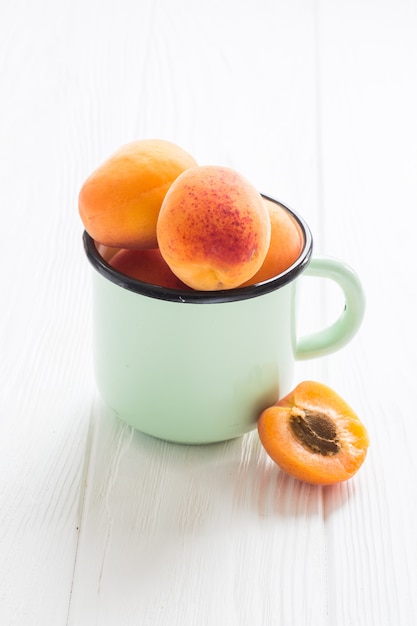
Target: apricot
{"points": [[213, 228], [286, 244], [120, 201], [314, 435], [146, 265]]}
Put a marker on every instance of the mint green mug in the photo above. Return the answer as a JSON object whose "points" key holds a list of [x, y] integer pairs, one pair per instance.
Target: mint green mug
{"points": [[199, 367]]}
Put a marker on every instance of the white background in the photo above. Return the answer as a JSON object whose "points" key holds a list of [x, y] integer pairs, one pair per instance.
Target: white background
{"points": [[316, 103]]}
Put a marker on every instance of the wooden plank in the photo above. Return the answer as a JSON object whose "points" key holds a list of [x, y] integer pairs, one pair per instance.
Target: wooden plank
{"points": [[45, 391], [207, 534], [368, 61]]}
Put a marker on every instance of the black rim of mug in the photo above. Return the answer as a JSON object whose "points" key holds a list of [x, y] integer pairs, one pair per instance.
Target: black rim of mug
{"points": [[205, 297]]}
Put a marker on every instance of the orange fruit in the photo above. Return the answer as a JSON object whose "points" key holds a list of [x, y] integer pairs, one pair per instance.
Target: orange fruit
{"points": [[120, 201], [314, 435]]}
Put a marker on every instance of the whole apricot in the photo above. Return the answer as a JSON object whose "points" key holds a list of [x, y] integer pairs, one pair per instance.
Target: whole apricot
{"points": [[314, 435], [286, 244], [120, 201], [213, 228], [148, 266]]}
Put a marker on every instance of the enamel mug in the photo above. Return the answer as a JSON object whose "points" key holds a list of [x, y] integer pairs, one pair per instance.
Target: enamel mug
{"points": [[199, 367]]}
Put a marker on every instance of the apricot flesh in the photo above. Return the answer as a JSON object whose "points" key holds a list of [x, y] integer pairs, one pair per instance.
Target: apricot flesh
{"points": [[147, 266], [286, 244], [213, 228], [314, 435], [120, 201]]}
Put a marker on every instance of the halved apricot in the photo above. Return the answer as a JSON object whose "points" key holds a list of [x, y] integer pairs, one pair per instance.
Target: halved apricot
{"points": [[314, 435]]}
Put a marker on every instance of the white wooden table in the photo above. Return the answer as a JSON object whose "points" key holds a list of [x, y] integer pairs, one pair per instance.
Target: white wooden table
{"points": [[316, 103]]}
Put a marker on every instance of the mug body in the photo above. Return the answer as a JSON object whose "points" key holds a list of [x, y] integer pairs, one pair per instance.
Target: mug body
{"points": [[192, 373], [190, 366]]}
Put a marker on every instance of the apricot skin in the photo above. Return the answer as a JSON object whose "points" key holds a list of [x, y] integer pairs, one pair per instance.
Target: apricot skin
{"points": [[285, 247], [213, 228], [147, 266], [293, 456], [120, 201]]}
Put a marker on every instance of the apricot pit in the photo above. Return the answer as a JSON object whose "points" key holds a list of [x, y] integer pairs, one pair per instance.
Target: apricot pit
{"points": [[315, 431]]}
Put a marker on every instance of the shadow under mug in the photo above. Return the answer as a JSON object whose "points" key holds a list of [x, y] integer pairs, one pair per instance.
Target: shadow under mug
{"points": [[197, 366]]}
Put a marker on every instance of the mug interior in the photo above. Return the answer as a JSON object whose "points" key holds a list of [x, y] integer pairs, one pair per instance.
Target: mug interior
{"points": [[99, 256]]}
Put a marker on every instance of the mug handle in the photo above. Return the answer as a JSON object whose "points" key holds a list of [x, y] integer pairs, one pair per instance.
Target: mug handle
{"points": [[339, 333]]}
